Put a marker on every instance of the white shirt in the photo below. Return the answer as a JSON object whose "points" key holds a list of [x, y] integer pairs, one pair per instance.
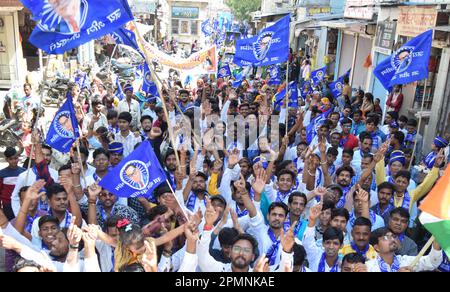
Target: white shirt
{"points": [[15, 200], [426, 263], [314, 253], [134, 109], [102, 122], [128, 142]]}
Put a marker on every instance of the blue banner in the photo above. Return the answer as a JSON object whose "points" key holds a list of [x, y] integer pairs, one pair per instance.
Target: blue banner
{"points": [[270, 47], [207, 28], [148, 85], [64, 25], [224, 71], [137, 175], [338, 86], [318, 75], [306, 89], [407, 64], [239, 78], [63, 131], [314, 124], [82, 79], [126, 37], [275, 75]]}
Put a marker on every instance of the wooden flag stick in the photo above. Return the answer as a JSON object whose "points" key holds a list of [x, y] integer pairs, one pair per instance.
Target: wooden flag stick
{"points": [[420, 123], [176, 198], [81, 163], [170, 129], [422, 252]]}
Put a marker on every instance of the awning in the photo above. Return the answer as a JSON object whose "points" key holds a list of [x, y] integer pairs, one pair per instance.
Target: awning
{"points": [[257, 16], [445, 28], [313, 22], [344, 23], [10, 5]]}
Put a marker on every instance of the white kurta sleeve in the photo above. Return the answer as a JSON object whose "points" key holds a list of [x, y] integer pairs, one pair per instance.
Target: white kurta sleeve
{"points": [[205, 261]]}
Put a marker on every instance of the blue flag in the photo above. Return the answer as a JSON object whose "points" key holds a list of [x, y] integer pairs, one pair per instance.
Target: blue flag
{"points": [[314, 124], [148, 85], [63, 131], [293, 95], [119, 92], [239, 78], [137, 175], [275, 75], [188, 80], [63, 26], [407, 64], [318, 75], [270, 47], [82, 79], [126, 37], [224, 71], [338, 86], [207, 28]]}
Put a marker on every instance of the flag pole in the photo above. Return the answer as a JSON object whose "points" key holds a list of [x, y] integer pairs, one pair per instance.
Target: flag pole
{"points": [[287, 82], [170, 129], [420, 123], [176, 198], [110, 59], [422, 252], [79, 159]]}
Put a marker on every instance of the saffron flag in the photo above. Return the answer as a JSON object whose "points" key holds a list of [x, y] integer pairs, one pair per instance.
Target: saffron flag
{"points": [[64, 25], [407, 64], [137, 175], [270, 47], [63, 131], [436, 211]]}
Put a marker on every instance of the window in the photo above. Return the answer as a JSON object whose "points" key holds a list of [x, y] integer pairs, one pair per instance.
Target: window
{"points": [[184, 27], [194, 27], [175, 26]]}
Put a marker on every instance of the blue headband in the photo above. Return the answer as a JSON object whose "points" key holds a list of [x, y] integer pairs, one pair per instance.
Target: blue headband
{"points": [[397, 156], [440, 142], [116, 147], [128, 87]]}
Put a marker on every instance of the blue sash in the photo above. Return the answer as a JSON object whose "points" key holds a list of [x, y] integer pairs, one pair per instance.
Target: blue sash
{"points": [[384, 266], [357, 250], [334, 268], [273, 250]]}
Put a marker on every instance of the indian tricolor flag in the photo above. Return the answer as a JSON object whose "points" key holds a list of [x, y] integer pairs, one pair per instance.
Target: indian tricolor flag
{"points": [[436, 211]]}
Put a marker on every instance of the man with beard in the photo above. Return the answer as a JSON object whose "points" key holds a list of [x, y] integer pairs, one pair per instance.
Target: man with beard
{"points": [[102, 205], [195, 194], [170, 163], [243, 248], [184, 102], [361, 237], [296, 203], [385, 243], [365, 147], [326, 258], [115, 153]]}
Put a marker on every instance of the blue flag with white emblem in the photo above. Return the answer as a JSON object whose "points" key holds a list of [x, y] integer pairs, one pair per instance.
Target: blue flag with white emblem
{"points": [[306, 89], [318, 75], [314, 124], [407, 64], [63, 131], [224, 71], [293, 95], [64, 25], [275, 75], [137, 175], [338, 86], [270, 47], [148, 85], [207, 28]]}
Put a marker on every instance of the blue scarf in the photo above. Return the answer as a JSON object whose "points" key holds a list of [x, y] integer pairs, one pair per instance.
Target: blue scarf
{"points": [[67, 218], [430, 159], [384, 266], [373, 218], [103, 213], [282, 196], [287, 225], [342, 200], [406, 201], [334, 268], [191, 202], [240, 213], [385, 212], [445, 265], [273, 250], [30, 221], [409, 139], [375, 143], [357, 250]]}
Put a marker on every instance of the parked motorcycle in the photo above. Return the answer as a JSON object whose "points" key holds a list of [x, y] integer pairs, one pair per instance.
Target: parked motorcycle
{"points": [[11, 135], [54, 91]]}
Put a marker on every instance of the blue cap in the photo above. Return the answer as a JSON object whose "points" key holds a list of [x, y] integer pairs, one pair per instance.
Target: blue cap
{"points": [[399, 156], [116, 148], [128, 87], [440, 142]]}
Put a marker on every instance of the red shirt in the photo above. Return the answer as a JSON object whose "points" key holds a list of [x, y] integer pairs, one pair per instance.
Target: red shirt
{"points": [[350, 142], [8, 181]]}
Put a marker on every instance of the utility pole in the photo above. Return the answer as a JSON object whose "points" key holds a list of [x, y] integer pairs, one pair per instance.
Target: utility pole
{"points": [[155, 27]]}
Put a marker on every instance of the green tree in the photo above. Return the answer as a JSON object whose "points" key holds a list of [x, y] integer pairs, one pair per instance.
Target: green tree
{"points": [[242, 8]]}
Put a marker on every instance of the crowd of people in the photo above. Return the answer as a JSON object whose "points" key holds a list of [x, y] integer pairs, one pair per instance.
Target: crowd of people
{"points": [[341, 197]]}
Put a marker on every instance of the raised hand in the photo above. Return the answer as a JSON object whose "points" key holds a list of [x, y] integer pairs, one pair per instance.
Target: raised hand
{"points": [[155, 132], [76, 168], [191, 232], [362, 195], [260, 181], [33, 191], [236, 225], [440, 158], [233, 158], [150, 258], [315, 212], [74, 233], [93, 192], [217, 166], [288, 238], [211, 215], [262, 265]]}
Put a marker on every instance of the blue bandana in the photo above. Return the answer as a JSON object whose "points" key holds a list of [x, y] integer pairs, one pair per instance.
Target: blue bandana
{"points": [[440, 142]]}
